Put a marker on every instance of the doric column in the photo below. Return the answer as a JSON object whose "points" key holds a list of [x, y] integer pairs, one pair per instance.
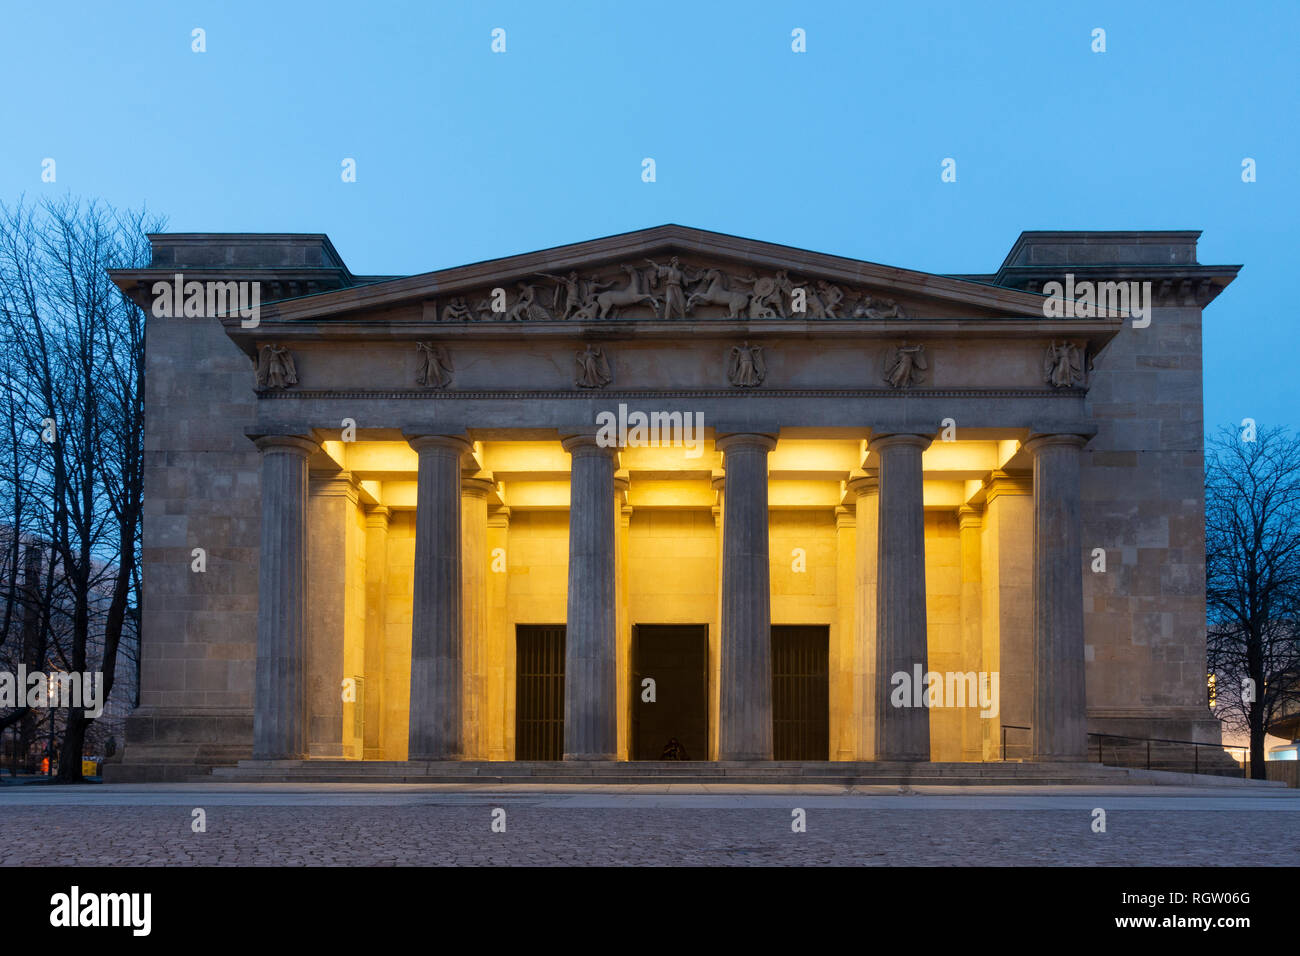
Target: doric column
{"points": [[1006, 609], [501, 707], [715, 632], [590, 649], [902, 733], [279, 715], [865, 686], [376, 695], [846, 718], [623, 668], [745, 704], [335, 646], [1059, 714], [474, 560], [436, 732], [969, 524]]}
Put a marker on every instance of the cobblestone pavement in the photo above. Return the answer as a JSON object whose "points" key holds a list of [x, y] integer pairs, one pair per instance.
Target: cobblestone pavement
{"points": [[345, 825]]}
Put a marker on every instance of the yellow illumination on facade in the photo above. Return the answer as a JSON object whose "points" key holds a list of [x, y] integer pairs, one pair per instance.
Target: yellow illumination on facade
{"points": [[669, 534]]}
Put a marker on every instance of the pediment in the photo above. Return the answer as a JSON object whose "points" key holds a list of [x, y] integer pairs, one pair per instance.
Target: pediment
{"points": [[666, 274]]}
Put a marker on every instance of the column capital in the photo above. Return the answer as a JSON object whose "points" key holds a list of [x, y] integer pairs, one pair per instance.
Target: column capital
{"points": [[340, 484], [969, 517], [499, 518], [763, 440], [845, 517], [1004, 483], [290, 444], [424, 442], [378, 516], [882, 440], [476, 487], [865, 485], [1038, 440], [586, 443]]}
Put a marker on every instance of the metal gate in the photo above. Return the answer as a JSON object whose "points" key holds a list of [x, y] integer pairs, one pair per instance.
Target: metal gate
{"points": [[539, 692], [801, 715]]}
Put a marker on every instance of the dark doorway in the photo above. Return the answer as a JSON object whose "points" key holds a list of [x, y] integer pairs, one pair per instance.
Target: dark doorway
{"points": [[539, 692], [676, 656], [801, 707]]}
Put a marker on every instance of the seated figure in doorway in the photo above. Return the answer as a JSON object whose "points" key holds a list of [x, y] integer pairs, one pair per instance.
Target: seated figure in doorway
{"points": [[674, 750]]}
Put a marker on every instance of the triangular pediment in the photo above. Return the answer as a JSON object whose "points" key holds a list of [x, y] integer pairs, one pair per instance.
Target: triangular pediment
{"points": [[667, 273]]}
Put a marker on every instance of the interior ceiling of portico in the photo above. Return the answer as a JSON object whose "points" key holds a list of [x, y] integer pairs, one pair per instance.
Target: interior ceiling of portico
{"points": [[803, 474]]}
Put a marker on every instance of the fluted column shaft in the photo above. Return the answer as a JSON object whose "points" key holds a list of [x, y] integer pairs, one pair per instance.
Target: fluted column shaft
{"points": [[745, 705], [902, 733], [474, 562], [865, 686], [436, 731], [969, 524], [1060, 703], [280, 703], [377, 695], [591, 647], [622, 522]]}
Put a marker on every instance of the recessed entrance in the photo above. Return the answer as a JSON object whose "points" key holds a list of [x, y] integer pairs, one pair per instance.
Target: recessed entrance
{"points": [[539, 692], [676, 657], [801, 715]]}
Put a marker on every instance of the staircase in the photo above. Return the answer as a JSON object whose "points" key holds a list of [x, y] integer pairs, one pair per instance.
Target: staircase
{"points": [[722, 773]]}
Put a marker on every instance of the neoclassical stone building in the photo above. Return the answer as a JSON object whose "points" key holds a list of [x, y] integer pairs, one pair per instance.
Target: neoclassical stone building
{"points": [[669, 494]]}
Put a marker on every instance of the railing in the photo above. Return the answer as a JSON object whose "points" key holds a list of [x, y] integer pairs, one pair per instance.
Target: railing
{"points": [[1194, 744], [1005, 728]]}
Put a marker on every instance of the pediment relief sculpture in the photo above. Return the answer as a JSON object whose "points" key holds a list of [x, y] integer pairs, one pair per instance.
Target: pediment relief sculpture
{"points": [[435, 365], [275, 368], [1064, 365], [905, 366], [668, 290]]}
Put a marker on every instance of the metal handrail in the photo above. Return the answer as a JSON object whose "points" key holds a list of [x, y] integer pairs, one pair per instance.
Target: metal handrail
{"points": [[1195, 744], [1005, 728], [1196, 754]]}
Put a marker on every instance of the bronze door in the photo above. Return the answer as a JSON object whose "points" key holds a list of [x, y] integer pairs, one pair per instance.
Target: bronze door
{"points": [[801, 715], [539, 692]]}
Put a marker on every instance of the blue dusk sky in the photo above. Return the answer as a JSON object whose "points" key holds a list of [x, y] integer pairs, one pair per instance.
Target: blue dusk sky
{"points": [[463, 154]]}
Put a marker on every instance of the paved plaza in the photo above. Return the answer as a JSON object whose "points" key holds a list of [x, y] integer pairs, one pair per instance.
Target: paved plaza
{"points": [[354, 825]]}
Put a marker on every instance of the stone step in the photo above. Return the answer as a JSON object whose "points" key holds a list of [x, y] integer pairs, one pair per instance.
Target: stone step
{"points": [[693, 772]]}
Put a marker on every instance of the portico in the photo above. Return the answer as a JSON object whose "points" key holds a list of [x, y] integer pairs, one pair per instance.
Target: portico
{"points": [[793, 510]]}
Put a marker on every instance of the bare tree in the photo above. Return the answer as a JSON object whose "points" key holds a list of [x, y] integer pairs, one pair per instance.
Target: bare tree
{"points": [[78, 346], [1252, 578]]}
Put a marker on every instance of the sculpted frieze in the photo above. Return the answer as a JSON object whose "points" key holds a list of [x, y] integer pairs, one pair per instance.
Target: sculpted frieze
{"points": [[592, 368], [435, 365], [275, 368], [667, 290], [1064, 365], [905, 366]]}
